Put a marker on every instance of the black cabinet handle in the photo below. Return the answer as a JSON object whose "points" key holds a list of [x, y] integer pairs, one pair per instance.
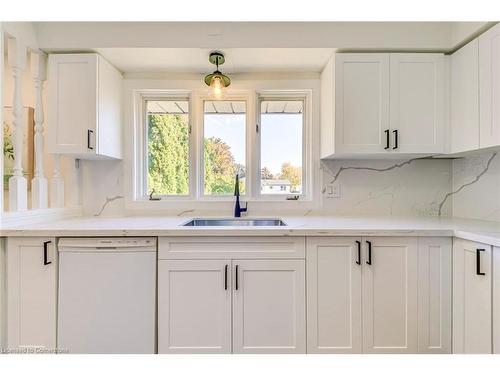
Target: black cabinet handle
{"points": [[369, 261], [45, 251], [396, 139], [89, 134], [236, 278], [478, 262], [225, 277], [359, 252], [387, 140]]}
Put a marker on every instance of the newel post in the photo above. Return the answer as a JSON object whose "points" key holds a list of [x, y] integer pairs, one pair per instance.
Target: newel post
{"points": [[18, 187], [39, 185]]}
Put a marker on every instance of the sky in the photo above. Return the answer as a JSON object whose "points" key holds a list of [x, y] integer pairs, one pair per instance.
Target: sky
{"points": [[281, 137]]}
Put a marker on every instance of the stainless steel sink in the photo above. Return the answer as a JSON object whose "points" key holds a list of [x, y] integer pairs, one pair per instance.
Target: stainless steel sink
{"points": [[235, 223]]}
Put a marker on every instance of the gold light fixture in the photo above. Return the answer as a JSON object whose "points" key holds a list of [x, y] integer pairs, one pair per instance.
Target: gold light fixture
{"points": [[217, 80]]}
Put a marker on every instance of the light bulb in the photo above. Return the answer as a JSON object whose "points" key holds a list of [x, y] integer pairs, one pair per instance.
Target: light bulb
{"points": [[217, 85], [217, 91]]}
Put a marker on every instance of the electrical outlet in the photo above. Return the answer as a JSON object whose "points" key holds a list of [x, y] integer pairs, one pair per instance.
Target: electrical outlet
{"points": [[333, 191]]}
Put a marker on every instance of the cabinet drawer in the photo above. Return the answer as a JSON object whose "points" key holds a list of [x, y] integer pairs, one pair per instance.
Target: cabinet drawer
{"points": [[231, 247]]}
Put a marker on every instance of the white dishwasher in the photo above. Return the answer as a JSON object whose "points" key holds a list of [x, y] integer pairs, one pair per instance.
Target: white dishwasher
{"points": [[107, 295]]}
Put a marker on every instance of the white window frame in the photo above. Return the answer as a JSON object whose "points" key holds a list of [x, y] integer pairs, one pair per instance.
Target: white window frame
{"points": [[197, 198], [142, 144], [246, 97], [306, 98]]}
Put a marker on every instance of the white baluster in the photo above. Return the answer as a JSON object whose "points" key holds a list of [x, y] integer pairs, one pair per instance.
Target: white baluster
{"points": [[18, 187], [39, 185], [57, 185]]}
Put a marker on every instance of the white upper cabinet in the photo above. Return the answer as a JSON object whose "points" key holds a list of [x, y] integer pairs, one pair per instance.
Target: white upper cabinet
{"points": [[417, 103], [361, 102], [464, 98], [385, 105], [489, 87], [84, 107]]}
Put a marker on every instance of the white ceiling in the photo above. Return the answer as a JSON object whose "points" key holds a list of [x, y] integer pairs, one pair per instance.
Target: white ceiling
{"points": [[238, 60]]}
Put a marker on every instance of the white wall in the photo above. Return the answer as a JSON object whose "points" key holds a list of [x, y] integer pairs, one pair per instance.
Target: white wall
{"points": [[480, 199]]}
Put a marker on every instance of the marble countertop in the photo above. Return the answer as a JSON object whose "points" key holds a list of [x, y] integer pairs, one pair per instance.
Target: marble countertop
{"points": [[475, 230]]}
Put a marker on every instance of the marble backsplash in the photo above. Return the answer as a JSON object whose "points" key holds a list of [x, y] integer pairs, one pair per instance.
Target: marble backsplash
{"points": [[467, 187], [415, 187], [476, 183]]}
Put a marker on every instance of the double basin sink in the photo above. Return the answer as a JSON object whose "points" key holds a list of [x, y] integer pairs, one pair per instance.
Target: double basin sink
{"points": [[235, 223]]}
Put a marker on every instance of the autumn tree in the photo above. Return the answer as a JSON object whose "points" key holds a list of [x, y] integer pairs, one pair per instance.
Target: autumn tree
{"points": [[292, 174], [266, 174]]}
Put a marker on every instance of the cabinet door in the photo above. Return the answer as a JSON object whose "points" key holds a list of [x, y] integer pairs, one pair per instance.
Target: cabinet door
{"points": [[489, 87], [334, 295], [496, 300], [417, 103], [389, 280], [72, 103], [464, 91], [2, 293], [361, 102], [269, 306], [434, 294], [472, 302], [194, 306], [31, 293]]}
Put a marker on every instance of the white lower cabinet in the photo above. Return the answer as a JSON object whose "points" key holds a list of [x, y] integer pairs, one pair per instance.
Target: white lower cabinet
{"points": [[390, 295], [334, 322], [31, 293], [194, 306], [496, 300], [472, 297], [363, 295], [434, 294], [269, 306], [231, 305]]}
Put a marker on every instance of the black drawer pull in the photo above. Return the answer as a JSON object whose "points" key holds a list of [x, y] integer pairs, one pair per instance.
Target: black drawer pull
{"points": [[395, 139], [236, 278], [359, 252], [369, 261], [89, 134], [478, 262], [387, 140], [45, 251], [225, 277]]}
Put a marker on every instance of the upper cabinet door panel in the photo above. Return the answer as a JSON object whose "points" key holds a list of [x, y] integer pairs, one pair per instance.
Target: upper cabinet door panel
{"points": [[489, 86], [72, 95], [464, 91], [417, 102], [361, 102]]}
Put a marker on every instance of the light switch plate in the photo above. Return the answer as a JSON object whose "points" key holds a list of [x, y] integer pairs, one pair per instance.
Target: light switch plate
{"points": [[333, 191]]}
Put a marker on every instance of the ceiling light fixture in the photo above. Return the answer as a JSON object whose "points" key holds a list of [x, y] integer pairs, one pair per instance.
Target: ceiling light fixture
{"points": [[217, 81]]}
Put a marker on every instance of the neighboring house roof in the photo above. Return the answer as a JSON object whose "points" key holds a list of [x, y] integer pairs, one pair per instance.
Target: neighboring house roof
{"points": [[276, 182]]}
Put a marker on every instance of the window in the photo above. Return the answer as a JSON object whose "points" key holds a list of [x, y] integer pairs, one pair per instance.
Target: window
{"points": [[224, 128], [281, 146], [168, 147], [189, 147]]}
